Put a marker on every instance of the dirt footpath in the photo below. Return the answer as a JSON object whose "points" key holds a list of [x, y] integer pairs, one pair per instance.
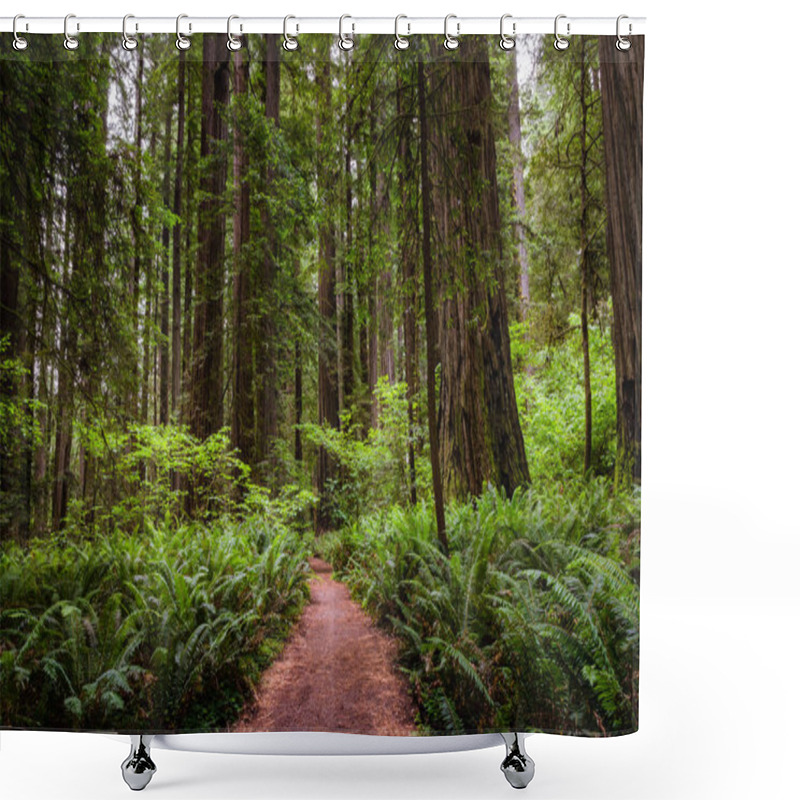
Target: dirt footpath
{"points": [[335, 674]]}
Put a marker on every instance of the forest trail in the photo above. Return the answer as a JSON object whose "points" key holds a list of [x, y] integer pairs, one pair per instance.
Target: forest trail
{"points": [[335, 674]]}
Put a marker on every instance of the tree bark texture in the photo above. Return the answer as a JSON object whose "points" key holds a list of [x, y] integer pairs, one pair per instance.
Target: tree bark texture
{"points": [[242, 401], [207, 385], [479, 430], [622, 81]]}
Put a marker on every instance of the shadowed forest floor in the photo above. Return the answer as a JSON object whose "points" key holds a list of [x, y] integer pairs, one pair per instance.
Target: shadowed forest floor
{"points": [[336, 673]]}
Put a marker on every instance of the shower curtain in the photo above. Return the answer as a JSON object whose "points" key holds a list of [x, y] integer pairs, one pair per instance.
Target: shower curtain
{"points": [[320, 385]]}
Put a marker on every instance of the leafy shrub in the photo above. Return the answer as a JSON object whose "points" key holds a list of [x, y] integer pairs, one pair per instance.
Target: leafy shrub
{"points": [[165, 630], [155, 472], [373, 468], [550, 399], [532, 614]]}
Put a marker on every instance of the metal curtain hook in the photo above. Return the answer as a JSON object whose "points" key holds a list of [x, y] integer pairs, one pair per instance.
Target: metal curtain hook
{"points": [[561, 43], [451, 42], [401, 42], [234, 42], [507, 42], [70, 42], [346, 41], [289, 42], [182, 41], [19, 43], [623, 43], [128, 42]]}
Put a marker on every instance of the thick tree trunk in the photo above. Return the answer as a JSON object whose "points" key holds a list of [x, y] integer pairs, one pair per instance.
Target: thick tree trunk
{"points": [[242, 408], [207, 386], [328, 394], [432, 354], [621, 81], [584, 263], [515, 139], [480, 435]]}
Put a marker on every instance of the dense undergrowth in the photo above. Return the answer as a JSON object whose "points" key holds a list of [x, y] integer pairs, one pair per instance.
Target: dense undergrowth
{"points": [[530, 620], [166, 629]]}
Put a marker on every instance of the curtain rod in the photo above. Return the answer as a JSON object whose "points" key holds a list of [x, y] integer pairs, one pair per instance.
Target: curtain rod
{"points": [[409, 25]]}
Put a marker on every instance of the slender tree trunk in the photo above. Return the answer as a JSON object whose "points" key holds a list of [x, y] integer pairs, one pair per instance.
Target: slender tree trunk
{"points": [[298, 401], [384, 284], [348, 353], [138, 234], [62, 448], [207, 387], [409, 237], [621, 85], [328, 395], [430, 330], [515, 139], [268, 395], [188, 238], [242, 409], [163, 344], [177, 210], [372, 283]]}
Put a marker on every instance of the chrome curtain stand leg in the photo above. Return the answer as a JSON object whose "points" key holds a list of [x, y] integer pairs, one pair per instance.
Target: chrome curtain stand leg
{"points": [[517, 766], [138, 768]]}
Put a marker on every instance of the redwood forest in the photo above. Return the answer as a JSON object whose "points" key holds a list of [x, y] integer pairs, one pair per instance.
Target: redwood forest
{"points": [[320, 385]]}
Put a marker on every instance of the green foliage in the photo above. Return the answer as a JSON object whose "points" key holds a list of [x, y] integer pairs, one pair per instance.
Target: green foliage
{"points": [[550, 400], [168, 629], [146, 471], [373, 469], [532, 618]]}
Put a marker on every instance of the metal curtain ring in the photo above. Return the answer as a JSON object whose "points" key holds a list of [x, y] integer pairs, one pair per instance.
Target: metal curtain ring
{"points": [[234, 42], [346, 41], [623, 43], [70, 42], [401, 42], [451, 42], [507, 42], [561, 43], [289, 42], [128, 42], [19, 43], [181, 41]]}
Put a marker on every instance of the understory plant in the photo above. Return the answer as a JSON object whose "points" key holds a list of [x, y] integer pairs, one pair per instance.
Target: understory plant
{"points": [[531, 618], [165, 630]]}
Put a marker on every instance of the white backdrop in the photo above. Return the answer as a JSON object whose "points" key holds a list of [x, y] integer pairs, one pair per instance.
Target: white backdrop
{"points": [[720, 611]]}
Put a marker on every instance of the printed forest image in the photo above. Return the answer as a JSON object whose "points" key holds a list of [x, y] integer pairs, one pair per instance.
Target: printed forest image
{"points": [[320, 386]]}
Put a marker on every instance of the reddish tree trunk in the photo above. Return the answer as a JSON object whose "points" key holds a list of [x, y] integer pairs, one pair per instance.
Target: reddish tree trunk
{"points": [[267, 392], [621, 82], [177, 209], [242, 408], [328, 391], [207, 390], [432, 354], [480, 435]]}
